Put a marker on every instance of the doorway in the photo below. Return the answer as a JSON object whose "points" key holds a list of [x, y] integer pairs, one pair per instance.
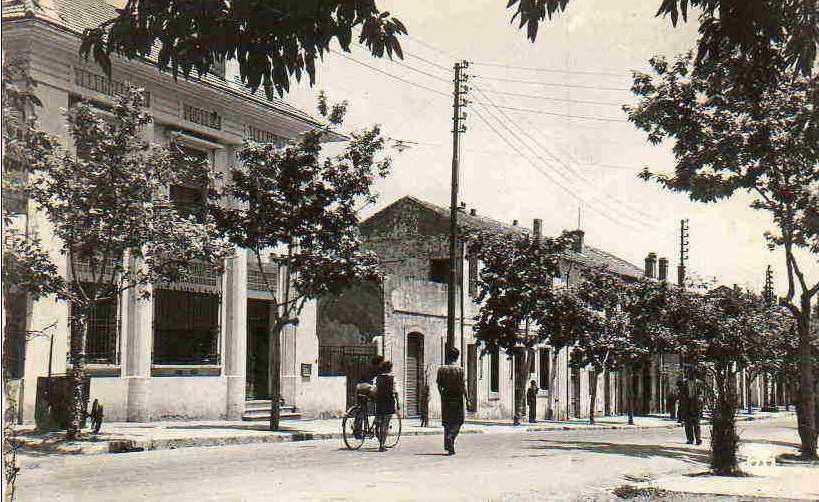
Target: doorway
{"points": [[415, 372], [257, 384]]}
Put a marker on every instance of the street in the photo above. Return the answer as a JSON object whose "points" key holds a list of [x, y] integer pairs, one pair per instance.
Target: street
{"points": [[553, 465]]}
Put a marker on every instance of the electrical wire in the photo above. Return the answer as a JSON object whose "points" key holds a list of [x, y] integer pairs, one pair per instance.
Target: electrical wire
{"points": [[388, 74], [619, 203], [552, 84], [554, 114], [547, 70], [548, 98], [544, 172]]}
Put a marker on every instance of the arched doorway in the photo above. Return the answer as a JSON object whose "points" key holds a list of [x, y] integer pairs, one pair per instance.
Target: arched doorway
{"points": [[414, 372]]}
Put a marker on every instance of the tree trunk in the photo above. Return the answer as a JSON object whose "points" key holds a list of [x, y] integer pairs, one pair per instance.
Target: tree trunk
{"points": [[76, 357], [522, 364], [724, 439], [10, 468], [592, 394], [806, 410], [274, 375], [630, 395]]}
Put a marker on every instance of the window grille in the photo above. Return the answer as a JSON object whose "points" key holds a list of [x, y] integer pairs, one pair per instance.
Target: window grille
{"points": [[104, 85], [101, 341], [255, 279], [210, 119], [186, 327], [494, 371], [14, 178], [544, 368], [15, 333]]}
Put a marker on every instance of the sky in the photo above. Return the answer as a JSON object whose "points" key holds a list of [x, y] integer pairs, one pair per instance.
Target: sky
{"points": [[564, 167]]}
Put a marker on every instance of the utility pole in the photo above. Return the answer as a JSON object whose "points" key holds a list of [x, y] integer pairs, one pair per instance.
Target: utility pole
{"points": [[683, 253], [459, 101]]}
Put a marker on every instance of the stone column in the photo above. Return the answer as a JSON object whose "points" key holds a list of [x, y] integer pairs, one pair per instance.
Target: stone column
{"points": [[138, 343], [235, 362]]}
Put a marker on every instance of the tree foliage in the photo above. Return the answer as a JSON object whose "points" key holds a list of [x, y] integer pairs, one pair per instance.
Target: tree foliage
{"points": [[761, 138], [271, 41], [107, 199], [747, 26], [301, 204]]}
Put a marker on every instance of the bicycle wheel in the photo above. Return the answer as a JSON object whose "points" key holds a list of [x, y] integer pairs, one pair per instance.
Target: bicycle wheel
{"points": [[393, 431], [353, 428]]}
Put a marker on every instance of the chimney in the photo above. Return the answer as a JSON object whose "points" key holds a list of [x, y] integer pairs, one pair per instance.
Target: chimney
{"points": [[514, 223], [651, 265], [662, 272], [473, 212], [537, 229]]}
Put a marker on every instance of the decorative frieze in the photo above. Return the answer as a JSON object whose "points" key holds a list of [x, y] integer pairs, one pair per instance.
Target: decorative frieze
{"points": [[104, 85], [262, 136], [200, 116]]}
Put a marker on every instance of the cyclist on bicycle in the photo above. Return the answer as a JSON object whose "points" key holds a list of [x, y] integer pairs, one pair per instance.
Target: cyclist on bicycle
{"points": [[386, 397], [365, 388]]}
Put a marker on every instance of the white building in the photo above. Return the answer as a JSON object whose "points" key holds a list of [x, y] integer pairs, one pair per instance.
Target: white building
{"points": [[197, 350]]}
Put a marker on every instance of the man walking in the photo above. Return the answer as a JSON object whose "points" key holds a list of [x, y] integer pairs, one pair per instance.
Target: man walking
{"points": [[689, 412], [386, 393], [531, 400], [453, 392]]}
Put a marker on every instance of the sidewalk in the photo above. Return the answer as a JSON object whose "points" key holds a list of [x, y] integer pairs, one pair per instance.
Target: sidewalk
{"points": [[121, 437]]}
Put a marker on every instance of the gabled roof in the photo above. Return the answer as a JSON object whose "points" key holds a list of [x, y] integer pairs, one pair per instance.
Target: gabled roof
{"points": [[76, 16], [590, 257]]}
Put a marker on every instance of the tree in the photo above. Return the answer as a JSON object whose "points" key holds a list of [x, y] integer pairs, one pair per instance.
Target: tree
{"points": [[514, 289], [271, 41], [730, 139], [27, 271], [293, 201], [747, 26], [110, 210], [715, 332]]}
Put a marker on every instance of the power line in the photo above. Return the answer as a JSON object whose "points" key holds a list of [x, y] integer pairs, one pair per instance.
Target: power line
{"points": [[554, 114], [541, 170], [422, 72], [548, 70], [562, 100], [388, 74], [552, 84], [569, 168]]}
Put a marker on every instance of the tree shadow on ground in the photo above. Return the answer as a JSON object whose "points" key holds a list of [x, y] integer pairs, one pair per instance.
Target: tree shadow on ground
{"points": [[688, 455]]}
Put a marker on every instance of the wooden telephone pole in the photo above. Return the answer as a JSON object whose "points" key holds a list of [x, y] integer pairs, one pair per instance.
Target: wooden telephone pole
{"points": [[459, 101]]}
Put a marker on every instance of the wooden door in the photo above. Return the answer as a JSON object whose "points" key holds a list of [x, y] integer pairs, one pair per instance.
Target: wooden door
{"points": [[414, 372]]}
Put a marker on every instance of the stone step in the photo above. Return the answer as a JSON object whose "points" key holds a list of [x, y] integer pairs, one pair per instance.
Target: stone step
{"points": [[259, 410]]}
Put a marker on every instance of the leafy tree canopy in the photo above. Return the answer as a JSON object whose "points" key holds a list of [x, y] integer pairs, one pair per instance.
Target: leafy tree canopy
{"points": [[748, 26], [273, 41]]}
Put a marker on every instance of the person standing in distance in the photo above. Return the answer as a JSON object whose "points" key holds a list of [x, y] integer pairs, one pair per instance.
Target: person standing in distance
{"points": [[453, 393]]}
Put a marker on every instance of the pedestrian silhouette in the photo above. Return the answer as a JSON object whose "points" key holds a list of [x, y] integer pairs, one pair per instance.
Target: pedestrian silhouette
{"points": [[453, 392]]}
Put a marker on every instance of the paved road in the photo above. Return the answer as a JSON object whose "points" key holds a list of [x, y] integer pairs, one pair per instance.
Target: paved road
{"points": [[555, 465]]}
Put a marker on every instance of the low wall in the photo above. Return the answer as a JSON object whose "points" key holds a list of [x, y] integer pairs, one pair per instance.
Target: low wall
{"points": [[187, 398], [322, 397]]}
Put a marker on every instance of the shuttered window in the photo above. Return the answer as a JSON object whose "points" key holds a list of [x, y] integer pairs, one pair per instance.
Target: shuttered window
{"points": [[186, 327]]}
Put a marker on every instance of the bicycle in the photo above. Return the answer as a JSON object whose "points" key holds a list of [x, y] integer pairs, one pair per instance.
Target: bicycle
{"points": [[360, 423]]}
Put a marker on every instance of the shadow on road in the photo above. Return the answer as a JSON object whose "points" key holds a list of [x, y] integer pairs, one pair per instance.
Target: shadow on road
{"points": [[689, 455]]}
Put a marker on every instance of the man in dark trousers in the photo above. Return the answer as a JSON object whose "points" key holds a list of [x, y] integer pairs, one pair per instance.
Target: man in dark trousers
{"points": [[453, 392], [690, 411], [531, 400], [386, 393]]}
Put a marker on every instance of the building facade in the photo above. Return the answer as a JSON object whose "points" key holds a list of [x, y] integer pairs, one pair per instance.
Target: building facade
{"points": [[194, 350], [405, 319]]}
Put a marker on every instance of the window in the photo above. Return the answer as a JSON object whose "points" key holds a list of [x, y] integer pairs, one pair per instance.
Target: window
{"points": [[186, 327], [101, 340], [544, 369], [189, 198], [531, 358], [494, 371], [439, 270], [14, 177]]}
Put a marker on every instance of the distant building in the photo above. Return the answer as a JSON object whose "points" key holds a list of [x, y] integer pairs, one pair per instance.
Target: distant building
{"points": [[195, 350], [405, 318]]}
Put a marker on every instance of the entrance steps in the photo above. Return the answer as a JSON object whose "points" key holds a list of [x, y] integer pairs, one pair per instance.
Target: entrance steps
{"points": [[259, 410]]}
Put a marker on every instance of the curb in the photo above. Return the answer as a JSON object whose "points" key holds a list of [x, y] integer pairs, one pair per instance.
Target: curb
{"points": [[135, 445]]}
